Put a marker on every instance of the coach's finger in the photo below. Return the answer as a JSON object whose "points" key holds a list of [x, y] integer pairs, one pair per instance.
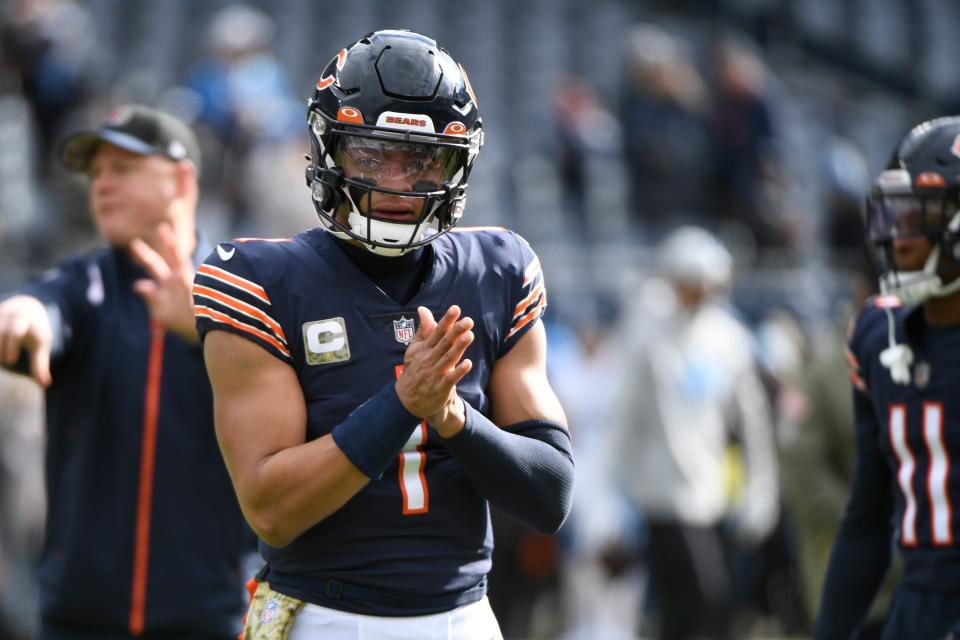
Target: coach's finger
{"points": [[146, 257], [11, 335], [146, 289], [40, 363], [176, 259]]}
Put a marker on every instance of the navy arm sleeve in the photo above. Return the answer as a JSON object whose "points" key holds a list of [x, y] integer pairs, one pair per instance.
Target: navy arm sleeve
{"points": [[861, 553], [526, 469]]}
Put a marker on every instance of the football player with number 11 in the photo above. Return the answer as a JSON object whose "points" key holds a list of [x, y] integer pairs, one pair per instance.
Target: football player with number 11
{"points": [[904, 351]]}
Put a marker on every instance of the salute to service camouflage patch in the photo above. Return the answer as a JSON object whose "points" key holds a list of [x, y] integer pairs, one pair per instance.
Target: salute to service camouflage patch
{"points": [[271, 615]]}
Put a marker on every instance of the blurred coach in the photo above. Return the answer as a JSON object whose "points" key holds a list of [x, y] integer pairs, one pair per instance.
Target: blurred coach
{"points": [[144, 535]]}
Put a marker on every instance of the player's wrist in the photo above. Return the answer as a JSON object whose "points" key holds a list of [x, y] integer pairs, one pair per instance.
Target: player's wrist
{"points": [[375, 432], [451, 419]]}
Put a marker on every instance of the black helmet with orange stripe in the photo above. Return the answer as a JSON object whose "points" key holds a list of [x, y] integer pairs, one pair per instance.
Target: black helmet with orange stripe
{"points": [[919, 195], [394, 130]]}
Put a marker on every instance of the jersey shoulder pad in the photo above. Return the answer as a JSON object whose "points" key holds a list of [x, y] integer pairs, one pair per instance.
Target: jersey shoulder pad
{"points": [[495, 248], [235, 289], [528, 291], [508, 255]]}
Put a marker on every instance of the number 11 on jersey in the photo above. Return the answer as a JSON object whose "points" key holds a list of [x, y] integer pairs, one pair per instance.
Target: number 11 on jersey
{"points": [[413, 484], [938, 469]]}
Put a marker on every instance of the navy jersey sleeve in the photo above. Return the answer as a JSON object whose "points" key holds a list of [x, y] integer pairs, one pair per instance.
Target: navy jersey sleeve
{"points": [[228, 295], [861, 552], [64, 291], [528, 294]]}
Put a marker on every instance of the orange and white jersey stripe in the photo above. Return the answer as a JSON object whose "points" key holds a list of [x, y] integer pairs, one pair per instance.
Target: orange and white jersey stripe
{"points": [[534, 301], [227, 296], [223, 277], [854, 370]]}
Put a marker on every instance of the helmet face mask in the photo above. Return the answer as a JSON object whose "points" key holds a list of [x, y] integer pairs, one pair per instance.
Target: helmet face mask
{"points": [[906, 216], [917, 197], [394, 131]]}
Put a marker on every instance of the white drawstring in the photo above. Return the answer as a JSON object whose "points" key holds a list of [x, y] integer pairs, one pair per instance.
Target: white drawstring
{"points": [[896, 357]]}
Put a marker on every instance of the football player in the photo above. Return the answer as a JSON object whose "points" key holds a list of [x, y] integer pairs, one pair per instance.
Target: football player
{"points": [[903, 353], [379, 378]]}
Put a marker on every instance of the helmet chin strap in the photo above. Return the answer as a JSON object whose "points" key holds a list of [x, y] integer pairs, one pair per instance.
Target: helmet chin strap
{"points": [[386, 233], [912, 287]]}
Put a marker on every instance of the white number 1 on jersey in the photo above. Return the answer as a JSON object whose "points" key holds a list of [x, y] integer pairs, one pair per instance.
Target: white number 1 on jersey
{"points": [[413, 484]]}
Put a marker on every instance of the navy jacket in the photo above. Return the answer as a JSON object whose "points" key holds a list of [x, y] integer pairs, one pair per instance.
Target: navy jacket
{"points": [[144, 533]]}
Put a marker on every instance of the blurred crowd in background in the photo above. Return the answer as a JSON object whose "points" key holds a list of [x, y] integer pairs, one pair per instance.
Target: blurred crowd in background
{"points": [[610, 125]]}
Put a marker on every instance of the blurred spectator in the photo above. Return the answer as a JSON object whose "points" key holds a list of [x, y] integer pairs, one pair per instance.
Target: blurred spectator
{"points": [[665, 128], [767, 583], [53, 46], [17, 187], [846, 180], [585, 129], [745, 155], [818, 453], [21, 501], [243, 86], [694, 444], [245, 110], [599, 599]]}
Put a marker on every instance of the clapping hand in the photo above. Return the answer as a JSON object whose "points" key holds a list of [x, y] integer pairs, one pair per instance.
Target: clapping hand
{"points": [[432, 367]]}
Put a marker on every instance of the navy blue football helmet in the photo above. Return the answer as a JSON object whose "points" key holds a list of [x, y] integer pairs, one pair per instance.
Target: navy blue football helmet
{"points": [[393, 114], [917, 195]]}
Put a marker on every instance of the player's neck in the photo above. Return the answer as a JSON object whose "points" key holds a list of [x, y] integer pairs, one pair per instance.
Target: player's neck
{"points": [[944, 311], [375, 265]]}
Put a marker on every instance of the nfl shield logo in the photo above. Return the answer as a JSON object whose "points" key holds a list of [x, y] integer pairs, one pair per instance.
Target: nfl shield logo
{"points": [[403, 329], [269, 609], [921, 373]]}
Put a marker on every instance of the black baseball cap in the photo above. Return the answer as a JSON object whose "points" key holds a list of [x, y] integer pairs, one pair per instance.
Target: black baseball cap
{"points": [[137, 128]]}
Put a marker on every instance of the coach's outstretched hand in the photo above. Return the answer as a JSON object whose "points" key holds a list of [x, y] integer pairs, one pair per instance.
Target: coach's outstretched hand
{"points": [[24, 324], [432, 367]]}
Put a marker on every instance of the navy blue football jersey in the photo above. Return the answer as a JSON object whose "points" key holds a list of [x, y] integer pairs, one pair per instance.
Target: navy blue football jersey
{"points": [[419, 538], [916, 431]]}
